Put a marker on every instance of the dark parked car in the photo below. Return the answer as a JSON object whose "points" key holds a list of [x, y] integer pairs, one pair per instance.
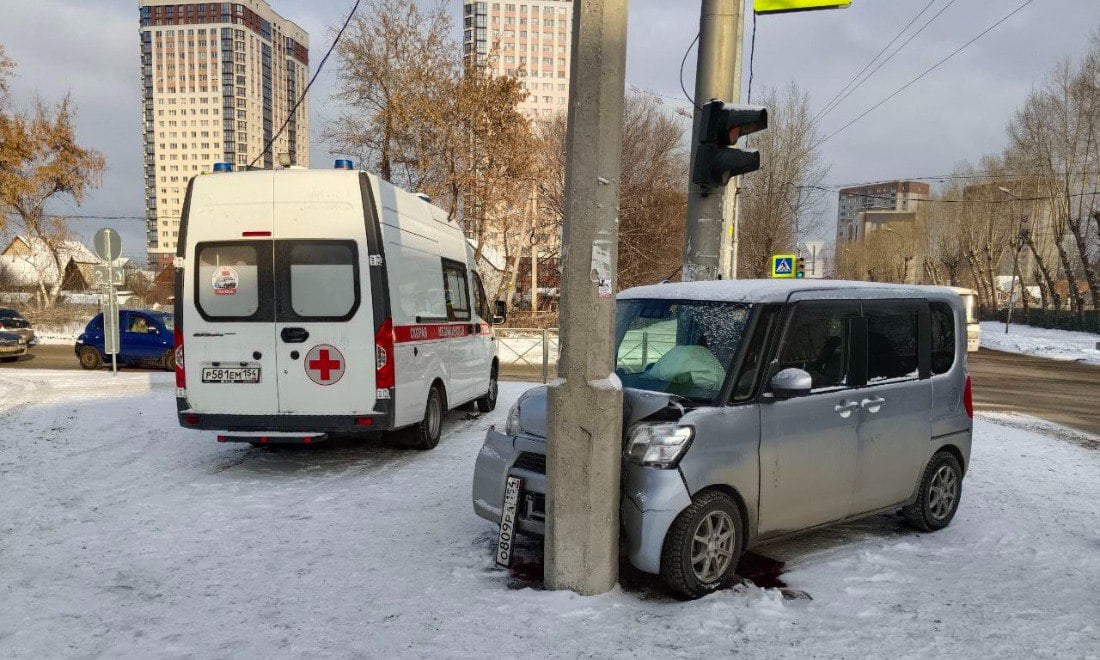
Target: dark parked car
{"points": [[145, 339], [12, 346], [12, 321]]}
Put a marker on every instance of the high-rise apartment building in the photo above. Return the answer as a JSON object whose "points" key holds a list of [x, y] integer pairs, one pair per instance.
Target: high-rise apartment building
{"points": [[859, 204], [531, 40], [218, 80]]}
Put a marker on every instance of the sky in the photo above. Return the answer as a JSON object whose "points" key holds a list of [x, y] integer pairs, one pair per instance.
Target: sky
{"points": [[89, 49]]}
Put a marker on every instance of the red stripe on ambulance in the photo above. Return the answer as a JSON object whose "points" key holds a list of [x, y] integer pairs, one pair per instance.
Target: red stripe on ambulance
{"points": [[429, 332]]}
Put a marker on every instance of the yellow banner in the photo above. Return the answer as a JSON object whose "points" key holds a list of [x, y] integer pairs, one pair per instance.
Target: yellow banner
{"points": [[777, 6]]}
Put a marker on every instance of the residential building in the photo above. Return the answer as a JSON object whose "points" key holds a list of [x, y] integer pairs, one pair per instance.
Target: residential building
{"points": [[860, 204], [531, 40], [218, 79]]}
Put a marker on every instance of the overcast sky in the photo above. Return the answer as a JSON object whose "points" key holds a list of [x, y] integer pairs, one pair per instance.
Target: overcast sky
{"points": [[89, 48]]}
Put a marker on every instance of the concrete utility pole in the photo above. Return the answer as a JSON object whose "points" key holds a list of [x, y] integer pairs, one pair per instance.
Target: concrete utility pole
{"points": [[717, 76], [584, 444]]}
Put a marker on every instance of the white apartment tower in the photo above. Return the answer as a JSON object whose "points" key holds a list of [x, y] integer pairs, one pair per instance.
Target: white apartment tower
{"points": [[218, 80], [531, 40]]}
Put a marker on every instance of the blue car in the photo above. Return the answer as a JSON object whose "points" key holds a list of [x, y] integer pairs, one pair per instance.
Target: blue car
{"points": [[146, 338]]}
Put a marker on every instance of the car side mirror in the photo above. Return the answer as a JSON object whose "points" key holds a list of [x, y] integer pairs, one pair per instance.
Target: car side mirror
{"points": [[790, 383], [500, 312]]}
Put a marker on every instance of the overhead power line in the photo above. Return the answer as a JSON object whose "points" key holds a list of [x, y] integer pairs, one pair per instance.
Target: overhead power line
{"points": [[829, 106], [924, 73], [302, 97]]}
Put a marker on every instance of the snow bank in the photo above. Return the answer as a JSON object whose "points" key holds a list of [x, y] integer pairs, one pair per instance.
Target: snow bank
{"points": [[123, 535], [1041, 342]]}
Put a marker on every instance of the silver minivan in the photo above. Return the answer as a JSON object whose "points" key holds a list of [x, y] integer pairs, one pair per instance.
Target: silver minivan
{"points": [[754, 410]]}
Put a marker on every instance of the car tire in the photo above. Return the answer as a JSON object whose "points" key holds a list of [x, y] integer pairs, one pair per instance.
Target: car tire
{"points": [[168, 360], [938, 495], [90, 358], [424, 435], [488, 401], [712, 515], [10, 359]]}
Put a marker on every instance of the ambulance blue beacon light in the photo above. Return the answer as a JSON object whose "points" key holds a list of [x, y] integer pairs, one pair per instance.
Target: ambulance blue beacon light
{"points": [[344, 164], [223, 167]]}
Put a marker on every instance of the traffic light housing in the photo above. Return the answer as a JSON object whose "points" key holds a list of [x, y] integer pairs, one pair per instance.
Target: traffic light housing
{"points": [[717, 160], [800, 268]]}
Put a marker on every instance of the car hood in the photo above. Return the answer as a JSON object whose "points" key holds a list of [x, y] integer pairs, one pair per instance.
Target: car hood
{"points": [[637, 405]]}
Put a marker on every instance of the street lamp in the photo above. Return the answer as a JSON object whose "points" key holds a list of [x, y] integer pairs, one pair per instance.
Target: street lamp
{"points": [[1021, 233]]}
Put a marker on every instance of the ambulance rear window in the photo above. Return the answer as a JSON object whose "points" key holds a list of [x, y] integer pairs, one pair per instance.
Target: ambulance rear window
{"points": [[323, 281], [232, 280]]}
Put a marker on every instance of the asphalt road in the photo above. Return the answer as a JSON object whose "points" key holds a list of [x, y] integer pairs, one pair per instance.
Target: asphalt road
{"points": [[1063, 392]]}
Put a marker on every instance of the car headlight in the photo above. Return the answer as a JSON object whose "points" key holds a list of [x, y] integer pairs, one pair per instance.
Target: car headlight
{"points": [[658, 445], [511, 426]]}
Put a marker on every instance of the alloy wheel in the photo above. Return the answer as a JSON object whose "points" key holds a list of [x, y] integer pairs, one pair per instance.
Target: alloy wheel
{"points": [[943, 492], [712, 547]]}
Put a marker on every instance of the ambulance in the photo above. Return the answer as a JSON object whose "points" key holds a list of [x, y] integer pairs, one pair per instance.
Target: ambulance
{"points": [[315, 302]]}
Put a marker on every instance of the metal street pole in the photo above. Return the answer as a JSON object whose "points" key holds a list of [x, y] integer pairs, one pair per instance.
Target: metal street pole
{"points": [[584, 443], [717, 76], [1020, 237]]}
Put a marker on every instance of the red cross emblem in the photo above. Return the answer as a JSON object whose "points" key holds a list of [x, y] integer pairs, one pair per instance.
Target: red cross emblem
{"points": [[324, 364]]}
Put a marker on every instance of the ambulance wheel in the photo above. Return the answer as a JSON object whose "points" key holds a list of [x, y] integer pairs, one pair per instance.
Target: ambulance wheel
{"points": [[425, 434], [90, 358], [488, 401], [168, 360]]}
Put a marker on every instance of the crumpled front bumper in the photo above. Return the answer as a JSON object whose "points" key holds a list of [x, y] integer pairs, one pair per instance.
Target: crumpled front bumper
{"points": [[651, 497]]}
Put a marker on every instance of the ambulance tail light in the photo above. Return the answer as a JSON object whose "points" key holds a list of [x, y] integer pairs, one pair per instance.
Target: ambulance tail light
{"points": [[181, 373], [383, 354]]}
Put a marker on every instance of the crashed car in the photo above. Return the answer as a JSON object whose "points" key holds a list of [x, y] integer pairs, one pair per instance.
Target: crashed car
{"points": [[755, 410]]}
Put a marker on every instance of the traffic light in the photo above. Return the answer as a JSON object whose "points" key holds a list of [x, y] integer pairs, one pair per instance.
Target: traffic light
{"points": [[800, 268], [716, 159]]}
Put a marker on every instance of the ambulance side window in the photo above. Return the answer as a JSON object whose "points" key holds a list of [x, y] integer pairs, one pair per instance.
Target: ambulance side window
{"points": [[233, 280], [480, 304], [457, 291]]}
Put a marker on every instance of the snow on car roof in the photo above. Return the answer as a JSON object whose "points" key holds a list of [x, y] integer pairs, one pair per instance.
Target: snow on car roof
{"points": [[769, 290]]}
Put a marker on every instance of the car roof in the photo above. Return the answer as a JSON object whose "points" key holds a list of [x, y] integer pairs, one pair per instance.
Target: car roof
{"points": [[9, 311], [780, 290]]}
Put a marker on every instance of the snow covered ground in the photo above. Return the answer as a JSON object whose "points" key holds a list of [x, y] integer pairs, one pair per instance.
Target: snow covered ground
{"points": [[122, 535], [1041, 342]]}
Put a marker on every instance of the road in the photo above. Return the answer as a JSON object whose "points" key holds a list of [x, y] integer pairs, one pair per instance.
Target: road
{"points": [[1058, 391]]}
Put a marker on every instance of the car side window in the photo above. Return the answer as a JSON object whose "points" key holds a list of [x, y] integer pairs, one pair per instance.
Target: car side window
{"points": [[817, 340], [139, 324], [943, 337], [893, 332], [748, 376], [481, 306]]}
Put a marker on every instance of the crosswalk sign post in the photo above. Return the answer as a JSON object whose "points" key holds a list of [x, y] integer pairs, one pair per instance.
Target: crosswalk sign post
{"points": [[783, 266]]}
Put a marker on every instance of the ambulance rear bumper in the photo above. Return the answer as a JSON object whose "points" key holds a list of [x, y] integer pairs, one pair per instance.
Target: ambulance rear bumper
{"points": [[380, 420]]}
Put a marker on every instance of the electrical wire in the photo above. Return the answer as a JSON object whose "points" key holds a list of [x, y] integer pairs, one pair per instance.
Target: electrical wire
{"points": [[752, 56], [923, 74], [828, 107], [682, 63], [302, 98]]}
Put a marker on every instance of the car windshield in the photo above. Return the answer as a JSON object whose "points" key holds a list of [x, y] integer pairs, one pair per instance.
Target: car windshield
{"points": [[166, 319], [9, 314], [678, 347]]}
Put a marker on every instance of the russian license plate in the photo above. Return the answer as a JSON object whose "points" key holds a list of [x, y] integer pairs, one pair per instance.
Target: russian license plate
{"points": [[231, 374], [507, 536], [9, 350]]}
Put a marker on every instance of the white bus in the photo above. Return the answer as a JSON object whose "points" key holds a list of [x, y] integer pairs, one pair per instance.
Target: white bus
{"points": [[312, 302], [973, 327]]}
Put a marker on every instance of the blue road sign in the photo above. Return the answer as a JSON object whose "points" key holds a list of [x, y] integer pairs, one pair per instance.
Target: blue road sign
{"points": [[783, 265]]}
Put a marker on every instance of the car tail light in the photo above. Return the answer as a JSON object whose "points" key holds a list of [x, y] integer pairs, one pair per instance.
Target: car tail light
{"points": [[968, 398], [383, 353], [191, 420], [364, 421], [181, 373]]}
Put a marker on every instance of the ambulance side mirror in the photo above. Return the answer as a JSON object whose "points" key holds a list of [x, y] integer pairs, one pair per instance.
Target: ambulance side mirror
{"points": [[500, 312]]}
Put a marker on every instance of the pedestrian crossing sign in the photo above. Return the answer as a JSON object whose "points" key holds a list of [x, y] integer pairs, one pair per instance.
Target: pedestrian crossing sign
{"points": [[783, 265]]}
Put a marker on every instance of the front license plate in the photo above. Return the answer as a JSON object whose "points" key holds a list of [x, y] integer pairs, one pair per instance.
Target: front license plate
{"points": [[231, 375], [9, 350], [507, 536]]}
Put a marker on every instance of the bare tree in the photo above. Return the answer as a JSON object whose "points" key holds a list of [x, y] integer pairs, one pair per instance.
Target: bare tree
{"points": [[781, 202]]}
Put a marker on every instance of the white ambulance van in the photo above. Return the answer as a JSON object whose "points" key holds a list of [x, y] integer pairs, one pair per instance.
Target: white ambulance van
{"points": [[313, 302]]}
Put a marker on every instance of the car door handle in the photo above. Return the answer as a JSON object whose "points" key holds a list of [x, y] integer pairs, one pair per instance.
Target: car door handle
{"points": [[845, 408], [873, 405], [294, 335]]}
